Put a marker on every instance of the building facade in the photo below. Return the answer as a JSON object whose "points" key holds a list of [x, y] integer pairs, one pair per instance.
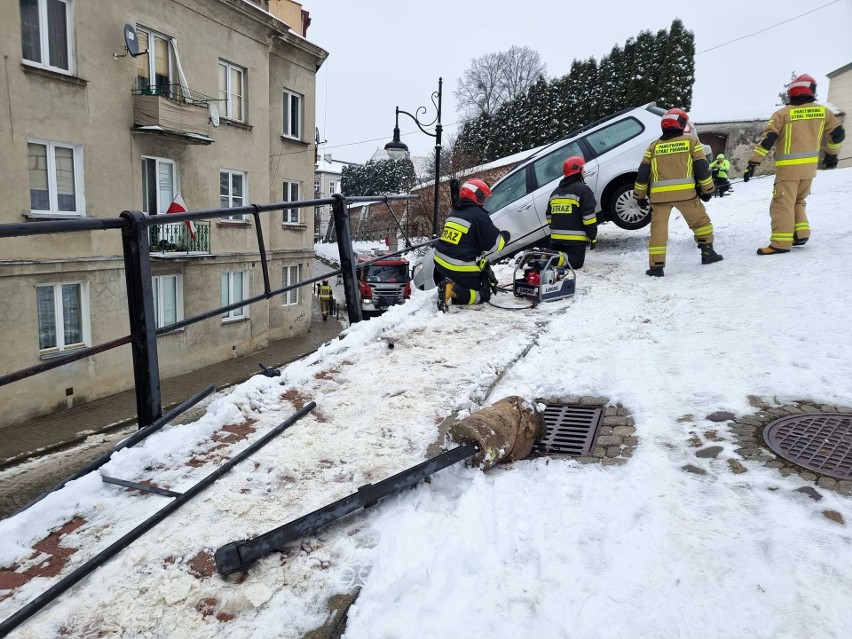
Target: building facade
{"points": [[840, 95], [216, 110], [326, 183]]}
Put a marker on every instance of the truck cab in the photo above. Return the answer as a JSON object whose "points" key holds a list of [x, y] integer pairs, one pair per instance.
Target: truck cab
{"points": [[382, 284]]}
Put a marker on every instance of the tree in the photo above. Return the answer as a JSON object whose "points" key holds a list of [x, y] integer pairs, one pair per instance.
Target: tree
{"points": [[496, 78], [378, 178]]}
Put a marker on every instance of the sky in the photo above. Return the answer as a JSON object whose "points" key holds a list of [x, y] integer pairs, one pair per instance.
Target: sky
{"points": [[381, 57], [544, 548]]}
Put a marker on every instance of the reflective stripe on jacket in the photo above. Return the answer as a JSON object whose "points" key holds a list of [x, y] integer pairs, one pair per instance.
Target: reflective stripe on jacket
{"points": [[325, 292], [670, 169], [467, 234], [798, 131], [571, 212]]}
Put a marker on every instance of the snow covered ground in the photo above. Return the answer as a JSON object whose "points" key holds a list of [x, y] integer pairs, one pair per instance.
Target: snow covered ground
{"points": [[547, 548]]}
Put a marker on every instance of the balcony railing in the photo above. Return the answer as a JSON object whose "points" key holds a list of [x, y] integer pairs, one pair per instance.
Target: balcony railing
{"points": [[176, 238]]}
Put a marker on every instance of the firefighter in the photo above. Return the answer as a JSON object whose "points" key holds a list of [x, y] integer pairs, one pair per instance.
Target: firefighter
{"points": [[461, 273], [326, 296], [671, 167], [719, 169], [798, 128], [571, 215]]}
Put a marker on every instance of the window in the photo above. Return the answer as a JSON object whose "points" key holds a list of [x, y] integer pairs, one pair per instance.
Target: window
{"points": [[613, 135], [317, 188], [232, 192], [158, 185], [62, 322], [509, 190], [292, 115], [549, 167], [234, 289], [332, 188], [292, 275], [55, 178], [46, 33], [154, 71], [168, 299], [291, 194], [231, 90]]}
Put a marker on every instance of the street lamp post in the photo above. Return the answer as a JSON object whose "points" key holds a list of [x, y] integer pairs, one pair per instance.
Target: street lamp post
{"points": [[397, 150]]}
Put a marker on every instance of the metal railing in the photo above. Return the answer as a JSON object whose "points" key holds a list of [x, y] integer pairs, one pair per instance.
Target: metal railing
{"points": [[137, 230], [178, 238]]}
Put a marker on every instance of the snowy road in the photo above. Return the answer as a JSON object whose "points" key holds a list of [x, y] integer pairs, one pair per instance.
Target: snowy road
{"points": [[544, 548]]}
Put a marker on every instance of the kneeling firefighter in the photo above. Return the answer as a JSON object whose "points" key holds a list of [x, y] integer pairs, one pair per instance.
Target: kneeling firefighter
{"points": [[462, 275], [571, 215]]}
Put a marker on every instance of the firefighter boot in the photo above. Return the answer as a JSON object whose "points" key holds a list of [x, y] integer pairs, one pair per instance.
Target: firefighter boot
{"points": [[655, 271], [708, 255], [446, 295], [771, 250], [799, 241]]}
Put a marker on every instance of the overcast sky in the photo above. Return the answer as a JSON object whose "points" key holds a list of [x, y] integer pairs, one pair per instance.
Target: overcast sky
{"points": [[384, 53]]}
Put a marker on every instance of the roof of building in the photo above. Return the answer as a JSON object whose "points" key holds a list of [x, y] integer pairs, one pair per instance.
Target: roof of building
{"points": [[836, 72], [331, 166]]}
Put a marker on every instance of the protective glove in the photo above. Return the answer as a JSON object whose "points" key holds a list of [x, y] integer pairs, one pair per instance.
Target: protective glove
{"points": [[829, 162], [706, 197], [593, 241], [749, 172], [644, 203]]}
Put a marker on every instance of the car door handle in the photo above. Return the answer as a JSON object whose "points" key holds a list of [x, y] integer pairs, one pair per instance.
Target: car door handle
{"points": [[524, 208], [590, 173]]}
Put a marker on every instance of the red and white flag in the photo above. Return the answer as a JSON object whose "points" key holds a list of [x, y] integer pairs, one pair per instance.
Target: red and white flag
{"points": [[179, 206]]}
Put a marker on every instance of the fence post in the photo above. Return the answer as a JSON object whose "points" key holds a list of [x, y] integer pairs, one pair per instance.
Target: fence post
{"points": [[347, 258], [143, 327]]}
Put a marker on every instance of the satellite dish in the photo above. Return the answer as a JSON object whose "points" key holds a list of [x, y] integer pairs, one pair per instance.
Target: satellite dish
{"points": [[130, 40], [317, 135], [213, 108]]}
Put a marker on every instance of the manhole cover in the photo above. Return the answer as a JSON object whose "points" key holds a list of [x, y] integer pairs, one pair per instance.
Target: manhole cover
{"points": [[569, 430], [821, 442]]}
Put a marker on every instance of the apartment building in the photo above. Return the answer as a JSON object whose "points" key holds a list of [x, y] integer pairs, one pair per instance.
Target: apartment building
{"points": [[327, 175], [217, 110]]}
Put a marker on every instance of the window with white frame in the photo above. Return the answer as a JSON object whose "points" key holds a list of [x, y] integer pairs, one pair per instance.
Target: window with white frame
{"points": [[332, 188], [235, 288], [292, 275], [292, 115], [63, 319], [317, 188], [159, 184], [291, 194], [231, 91], [56, 181], [156, 70], [46, 33], [168, 299], [232, 192]]}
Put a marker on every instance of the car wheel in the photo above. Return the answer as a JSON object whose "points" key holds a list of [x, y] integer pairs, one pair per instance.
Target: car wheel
{"points": [[625, 212]]}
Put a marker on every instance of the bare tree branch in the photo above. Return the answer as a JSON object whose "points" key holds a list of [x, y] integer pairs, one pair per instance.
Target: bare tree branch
{"points": [[496, 78]]}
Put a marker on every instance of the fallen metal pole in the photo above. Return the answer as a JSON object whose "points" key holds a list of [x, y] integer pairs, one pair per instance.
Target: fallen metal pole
{"points": [[238, 555], [137, 437], [113, 549]]}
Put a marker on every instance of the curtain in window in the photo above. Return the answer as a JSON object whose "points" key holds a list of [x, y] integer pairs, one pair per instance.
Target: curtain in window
{"points": [[57, 33], [165, 182], [66, 196], [71, 314], [143, 75], [169, 300], [236, 94], [30, 34], [46, 317], [39, 193], [161, 65], [236, 189]]}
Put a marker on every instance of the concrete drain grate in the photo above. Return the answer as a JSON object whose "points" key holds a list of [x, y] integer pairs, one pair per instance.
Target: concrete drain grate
{"points": [[569, 430], [821, 442]]}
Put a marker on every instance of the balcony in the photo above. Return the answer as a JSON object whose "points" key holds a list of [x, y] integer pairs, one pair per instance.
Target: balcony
{"points": [[168, 110], [175, 240]]}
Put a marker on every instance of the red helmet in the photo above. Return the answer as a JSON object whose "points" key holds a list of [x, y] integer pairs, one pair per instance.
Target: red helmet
{"points": [[674, 120], [802, 85], [573, 165], [476, 190]]}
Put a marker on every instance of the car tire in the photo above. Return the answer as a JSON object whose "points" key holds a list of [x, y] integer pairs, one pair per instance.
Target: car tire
{"points": [[625, 212]]}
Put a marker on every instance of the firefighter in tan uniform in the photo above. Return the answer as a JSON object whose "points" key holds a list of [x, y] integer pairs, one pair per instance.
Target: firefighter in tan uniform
{"points": [[671, 167], [798, 129]]}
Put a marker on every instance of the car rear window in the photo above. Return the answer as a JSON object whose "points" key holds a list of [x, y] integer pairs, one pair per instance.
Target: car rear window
{"points": [[377, 273], [615, 134]]}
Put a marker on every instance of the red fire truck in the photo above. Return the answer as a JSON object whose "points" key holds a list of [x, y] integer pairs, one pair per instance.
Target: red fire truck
{"points": [[383, 284]]}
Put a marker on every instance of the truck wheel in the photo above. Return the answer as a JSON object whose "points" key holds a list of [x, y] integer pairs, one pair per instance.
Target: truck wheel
{"points": [[624, 210]]}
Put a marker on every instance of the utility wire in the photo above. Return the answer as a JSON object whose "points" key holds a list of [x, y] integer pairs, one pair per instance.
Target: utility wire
{"points": [[718, 46]]}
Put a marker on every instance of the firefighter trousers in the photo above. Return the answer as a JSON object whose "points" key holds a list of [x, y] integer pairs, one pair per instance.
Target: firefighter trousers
{"points": [[787, 211], [696, 217]]}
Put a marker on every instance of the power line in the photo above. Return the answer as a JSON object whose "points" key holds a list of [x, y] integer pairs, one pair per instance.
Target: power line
{"points": [[718, 46]]}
